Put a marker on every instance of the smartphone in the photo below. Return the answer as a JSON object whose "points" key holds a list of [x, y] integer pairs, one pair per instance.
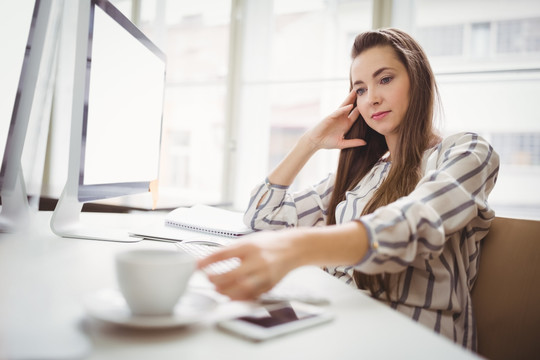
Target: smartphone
{"points": [[275, 320]]}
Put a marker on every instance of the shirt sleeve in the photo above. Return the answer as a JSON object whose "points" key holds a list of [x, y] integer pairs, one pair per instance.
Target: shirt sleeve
{"points": [[448, 198], [274, 207]]}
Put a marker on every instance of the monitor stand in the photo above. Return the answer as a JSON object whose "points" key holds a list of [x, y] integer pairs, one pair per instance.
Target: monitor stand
{"points": [[66, 222], [15, 211]]}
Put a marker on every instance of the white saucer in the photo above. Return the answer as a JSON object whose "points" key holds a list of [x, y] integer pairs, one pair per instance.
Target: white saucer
{"points": [[108, 305]]}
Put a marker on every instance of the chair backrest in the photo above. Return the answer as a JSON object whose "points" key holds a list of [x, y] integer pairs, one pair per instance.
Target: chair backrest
{"points": [[506, 296]]}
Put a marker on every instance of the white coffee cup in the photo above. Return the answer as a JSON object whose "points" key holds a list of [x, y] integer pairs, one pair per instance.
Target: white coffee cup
{"points": [[152, 281]]}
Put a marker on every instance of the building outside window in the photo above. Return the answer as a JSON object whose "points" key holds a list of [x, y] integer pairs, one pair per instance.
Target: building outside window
{"points": [[486, 56]]}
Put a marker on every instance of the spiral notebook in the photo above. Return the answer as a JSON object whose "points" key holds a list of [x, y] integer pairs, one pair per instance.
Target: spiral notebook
{"points": [[200, 224], [208, 219]]}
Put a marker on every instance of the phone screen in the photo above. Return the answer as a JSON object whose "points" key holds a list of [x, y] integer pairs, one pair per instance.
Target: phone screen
{"points": [[272, 316]]}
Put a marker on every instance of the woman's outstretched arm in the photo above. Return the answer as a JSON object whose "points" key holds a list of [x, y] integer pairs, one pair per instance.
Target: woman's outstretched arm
{"points": [[266, 257]]}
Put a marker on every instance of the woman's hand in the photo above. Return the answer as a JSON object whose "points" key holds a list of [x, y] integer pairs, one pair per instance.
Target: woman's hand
{"points": [[265, 258], [330, 132]]}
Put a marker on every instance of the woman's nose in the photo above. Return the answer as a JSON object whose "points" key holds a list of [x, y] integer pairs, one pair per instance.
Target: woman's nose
{"points": [[374, 98]]}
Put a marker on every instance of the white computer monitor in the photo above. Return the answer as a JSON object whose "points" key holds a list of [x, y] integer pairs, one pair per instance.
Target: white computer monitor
{"points": [[22, 38], [116, 118]]}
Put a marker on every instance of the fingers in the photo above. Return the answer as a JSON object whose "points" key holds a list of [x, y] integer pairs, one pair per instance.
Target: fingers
{"points": [[247, 281], [347, 107], [350, 143], [349, 100], [245, 269], [259, 270], [342, 111], [222, 254], [354, 114], [352, 117], [241, 286]]}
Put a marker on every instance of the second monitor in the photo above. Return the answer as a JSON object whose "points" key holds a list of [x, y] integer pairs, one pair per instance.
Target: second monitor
{"points": [[117, 116]]}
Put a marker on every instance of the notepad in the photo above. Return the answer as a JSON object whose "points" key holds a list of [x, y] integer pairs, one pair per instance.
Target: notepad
{"points": [[208, 219]]}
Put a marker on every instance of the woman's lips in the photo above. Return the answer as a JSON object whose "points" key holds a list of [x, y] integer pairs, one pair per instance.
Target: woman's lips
{"points": [[379, 115]]}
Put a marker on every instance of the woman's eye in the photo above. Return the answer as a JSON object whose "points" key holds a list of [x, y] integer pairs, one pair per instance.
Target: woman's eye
{"points": [[360, 91], [386, 79]]}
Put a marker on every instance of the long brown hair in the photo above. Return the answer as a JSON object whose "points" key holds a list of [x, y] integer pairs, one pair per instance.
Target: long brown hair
{"points": [[415, 131]]}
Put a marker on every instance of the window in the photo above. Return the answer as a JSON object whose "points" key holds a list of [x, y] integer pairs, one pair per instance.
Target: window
{"points": [[486, 57], [291, 83], [444, 40], [519, 149], [195, 37], [518, 36]]}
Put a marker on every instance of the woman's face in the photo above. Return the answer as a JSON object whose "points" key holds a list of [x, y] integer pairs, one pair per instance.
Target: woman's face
{"points": [[381, 83]]}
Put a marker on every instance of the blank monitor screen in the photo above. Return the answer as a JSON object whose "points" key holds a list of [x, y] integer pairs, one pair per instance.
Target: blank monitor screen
{"points": [[123, 108]]}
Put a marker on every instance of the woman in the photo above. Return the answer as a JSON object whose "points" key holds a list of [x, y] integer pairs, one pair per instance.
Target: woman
{"points": [[405, 210]]}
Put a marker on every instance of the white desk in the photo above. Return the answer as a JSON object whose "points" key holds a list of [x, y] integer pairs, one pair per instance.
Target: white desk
{"points": [[44, 279]]}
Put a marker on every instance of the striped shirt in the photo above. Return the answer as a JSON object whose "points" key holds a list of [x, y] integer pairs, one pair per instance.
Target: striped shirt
{"points": [[428, 241]]}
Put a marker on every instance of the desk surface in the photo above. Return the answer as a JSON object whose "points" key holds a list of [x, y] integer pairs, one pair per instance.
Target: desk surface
{"points": [[44, 280]]}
